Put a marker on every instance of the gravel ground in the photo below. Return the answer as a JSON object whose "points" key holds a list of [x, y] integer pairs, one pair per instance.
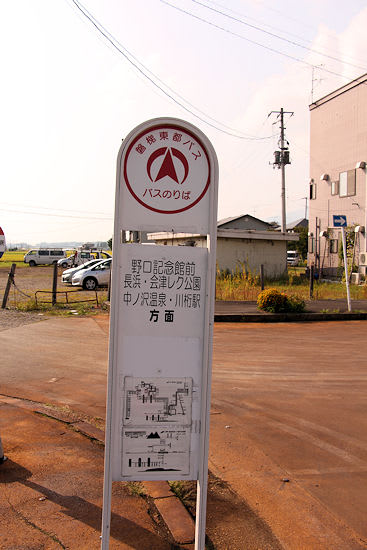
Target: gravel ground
{"points": [[12, 319]]}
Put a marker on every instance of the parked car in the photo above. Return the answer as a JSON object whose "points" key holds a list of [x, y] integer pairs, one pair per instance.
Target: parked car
{"points": [[82, 256], [68, 274], [91, 278], [292, 257], [44, 256]]}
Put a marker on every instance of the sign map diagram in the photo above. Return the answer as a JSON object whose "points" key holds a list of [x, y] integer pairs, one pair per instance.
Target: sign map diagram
{"points": [[164, 449], [157, 421], [157, 401]]}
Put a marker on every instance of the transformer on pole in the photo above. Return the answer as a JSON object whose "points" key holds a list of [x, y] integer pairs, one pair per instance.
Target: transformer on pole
{"points": [[281, 158]]}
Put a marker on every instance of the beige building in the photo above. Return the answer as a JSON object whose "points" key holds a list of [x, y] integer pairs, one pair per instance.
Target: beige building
{"points": [[239, 248], [337, 186]]}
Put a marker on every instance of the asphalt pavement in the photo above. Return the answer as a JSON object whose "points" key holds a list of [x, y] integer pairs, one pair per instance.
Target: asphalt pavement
{"points": [[52, 482]]}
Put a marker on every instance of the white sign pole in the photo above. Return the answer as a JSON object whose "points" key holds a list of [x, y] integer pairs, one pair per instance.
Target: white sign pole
{"points": [[346, 268], [162, 312], [111, 381], [202, 483]]}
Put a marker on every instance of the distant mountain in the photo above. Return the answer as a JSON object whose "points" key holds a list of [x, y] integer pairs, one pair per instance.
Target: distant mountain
{"points": [[64, 244], [72, 244], [69, 245]]}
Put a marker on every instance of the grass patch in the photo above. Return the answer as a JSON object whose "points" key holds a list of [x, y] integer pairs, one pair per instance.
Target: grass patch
{"points": [[60, 309], [13, 257], [242, 286], [186, 492], [135, 488]]}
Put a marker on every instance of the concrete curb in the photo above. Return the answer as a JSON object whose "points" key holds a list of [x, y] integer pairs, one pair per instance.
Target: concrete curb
{"points": [[173, 513], [287, 317]]}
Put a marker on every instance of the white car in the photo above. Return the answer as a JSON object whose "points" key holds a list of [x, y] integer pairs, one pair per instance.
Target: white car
{"points": [[68, 274], [91, 278], [44, 256], [82, 257]]}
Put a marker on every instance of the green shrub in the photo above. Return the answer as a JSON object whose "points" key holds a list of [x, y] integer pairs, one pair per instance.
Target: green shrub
{"points": [[297, 279], [295, 304], [272, 300], [278, 302]]}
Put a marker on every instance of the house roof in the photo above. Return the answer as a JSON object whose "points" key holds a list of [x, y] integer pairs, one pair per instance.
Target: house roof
{"points": [[339, 91], [251, 234], [233, 218], [301, 222]]}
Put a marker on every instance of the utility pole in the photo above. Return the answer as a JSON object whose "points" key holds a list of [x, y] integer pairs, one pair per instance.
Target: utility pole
{"points": [[305, 199], [281, 159]]}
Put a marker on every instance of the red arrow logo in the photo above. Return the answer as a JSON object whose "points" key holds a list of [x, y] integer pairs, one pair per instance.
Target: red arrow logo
{"points": [[167, 167]]}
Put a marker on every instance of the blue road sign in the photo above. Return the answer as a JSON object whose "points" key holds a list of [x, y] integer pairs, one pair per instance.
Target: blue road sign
{"points": [[340, 220]]}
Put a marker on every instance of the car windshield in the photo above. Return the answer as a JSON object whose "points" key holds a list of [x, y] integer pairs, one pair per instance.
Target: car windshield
{"points": [[86, 264], [104, 264]]}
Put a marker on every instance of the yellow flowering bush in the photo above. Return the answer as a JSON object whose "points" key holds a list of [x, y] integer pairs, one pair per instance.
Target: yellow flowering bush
{"points": [[278, 302]]}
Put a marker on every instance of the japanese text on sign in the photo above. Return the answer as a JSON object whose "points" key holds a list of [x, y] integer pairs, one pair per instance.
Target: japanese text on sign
{"points": [[162, 287]]}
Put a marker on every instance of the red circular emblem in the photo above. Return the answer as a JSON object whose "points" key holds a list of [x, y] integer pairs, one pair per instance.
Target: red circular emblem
{"points": [[166, 169]]}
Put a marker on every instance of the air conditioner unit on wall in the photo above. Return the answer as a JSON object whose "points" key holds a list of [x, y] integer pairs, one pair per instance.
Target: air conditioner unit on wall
{"points": [[355, 278], [363, 258]]}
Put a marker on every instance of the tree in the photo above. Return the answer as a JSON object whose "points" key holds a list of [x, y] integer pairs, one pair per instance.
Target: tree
{"points": [[109, 242], [302, 245], [350, 237]]}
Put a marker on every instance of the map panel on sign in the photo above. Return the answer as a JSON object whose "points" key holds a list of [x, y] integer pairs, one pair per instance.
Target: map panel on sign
{"points": [[154, 401], [160, 449]]}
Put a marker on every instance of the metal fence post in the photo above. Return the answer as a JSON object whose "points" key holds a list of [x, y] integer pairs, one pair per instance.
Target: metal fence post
{"points": [[8, 285], [312, 269], [54, 285]]}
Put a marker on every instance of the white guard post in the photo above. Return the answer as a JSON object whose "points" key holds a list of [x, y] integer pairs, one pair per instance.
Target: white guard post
{"points": [[344, 241], [2, 242], [162, 312]]}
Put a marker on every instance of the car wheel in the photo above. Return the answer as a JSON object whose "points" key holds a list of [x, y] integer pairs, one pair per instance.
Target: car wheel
{"points": [[89, 283], [32, 263], [64, 264]]}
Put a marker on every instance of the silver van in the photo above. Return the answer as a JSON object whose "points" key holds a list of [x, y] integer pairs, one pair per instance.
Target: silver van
{"points": [[44, 256], [292, 257]]}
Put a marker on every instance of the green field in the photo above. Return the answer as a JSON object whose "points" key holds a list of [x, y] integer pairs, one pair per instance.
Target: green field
{"points": [[14, 257]]}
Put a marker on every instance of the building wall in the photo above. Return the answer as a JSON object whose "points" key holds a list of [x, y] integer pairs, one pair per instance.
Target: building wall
{"points": [[338, 141], [249, 254]]}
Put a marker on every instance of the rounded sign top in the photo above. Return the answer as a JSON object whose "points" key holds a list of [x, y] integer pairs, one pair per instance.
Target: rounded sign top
{"points": [[2, 242], [166, 168]]}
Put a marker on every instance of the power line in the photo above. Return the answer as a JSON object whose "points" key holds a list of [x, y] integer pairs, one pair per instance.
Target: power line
{"points": [[274, 50], [283, 31], [152, 79], [55, 215], [276, 35], [50, 208]]}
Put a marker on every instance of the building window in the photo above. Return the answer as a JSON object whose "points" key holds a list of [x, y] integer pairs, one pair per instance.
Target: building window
{"points": [[333, 246], [347, 183], [312, 190], [335, 188]]}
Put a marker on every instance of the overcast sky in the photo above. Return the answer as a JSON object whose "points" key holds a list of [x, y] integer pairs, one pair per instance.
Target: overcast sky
{"points": [[68, 97]]}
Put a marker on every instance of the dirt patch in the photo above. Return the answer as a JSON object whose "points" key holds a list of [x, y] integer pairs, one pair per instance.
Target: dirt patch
{"points": [[231, 523], [29, 280], [51, 490], [12, 319]]}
